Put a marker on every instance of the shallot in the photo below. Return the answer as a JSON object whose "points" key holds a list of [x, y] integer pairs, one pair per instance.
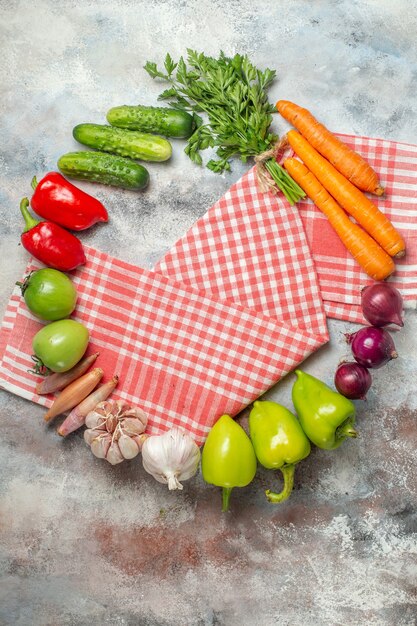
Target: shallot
{"points": [[78, 414], [60, 380], [74, 393]]}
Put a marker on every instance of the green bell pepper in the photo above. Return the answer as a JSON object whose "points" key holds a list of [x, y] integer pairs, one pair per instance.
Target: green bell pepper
{"points": [[228, 459], [279, 442], [326, 416]]}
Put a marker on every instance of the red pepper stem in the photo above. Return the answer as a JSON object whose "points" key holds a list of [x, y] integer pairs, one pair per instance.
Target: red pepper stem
{"points": [[30, 221], [226, 498], [288, 476], [34, 183]]}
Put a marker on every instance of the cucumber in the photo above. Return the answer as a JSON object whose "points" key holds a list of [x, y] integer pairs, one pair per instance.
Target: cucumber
{"points": [[98, 167], [126, 143], [160, 120]]}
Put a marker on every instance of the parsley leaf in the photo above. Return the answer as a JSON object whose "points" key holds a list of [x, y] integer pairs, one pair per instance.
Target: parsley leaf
{"points": [[231, 94]]}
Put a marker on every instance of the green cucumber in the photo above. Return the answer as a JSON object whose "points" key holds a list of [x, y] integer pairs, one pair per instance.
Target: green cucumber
{"points": [[126, 143], [98, 167], [160, 120]]}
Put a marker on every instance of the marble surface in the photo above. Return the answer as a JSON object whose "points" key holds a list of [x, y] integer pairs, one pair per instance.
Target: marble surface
{"points": [[84, 543]]}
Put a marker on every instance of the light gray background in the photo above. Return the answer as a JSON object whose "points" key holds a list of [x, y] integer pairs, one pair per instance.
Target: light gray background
{"points": [[85, 543]]}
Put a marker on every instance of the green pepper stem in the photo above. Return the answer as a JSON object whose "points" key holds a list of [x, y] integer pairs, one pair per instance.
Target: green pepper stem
{"points": [[346, 430], [288, 476], [226, 498], [34, 183], [30, 221]]}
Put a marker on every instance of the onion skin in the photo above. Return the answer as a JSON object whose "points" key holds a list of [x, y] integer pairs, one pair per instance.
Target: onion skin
{"points": [[382, 304], [353, 380], [372, 347]]}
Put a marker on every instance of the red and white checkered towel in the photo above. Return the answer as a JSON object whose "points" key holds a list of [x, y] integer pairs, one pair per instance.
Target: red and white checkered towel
{"points": [[236, 304]]}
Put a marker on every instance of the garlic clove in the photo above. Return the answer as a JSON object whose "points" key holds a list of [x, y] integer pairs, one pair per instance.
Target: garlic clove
{"points": [[122, 406], [90, 435], [111, 423], [95, 419], [128, 447], [140, 440], [137, 414], [119, 406], [100, 446], [132, 426], [114, 455], [103, 407]]}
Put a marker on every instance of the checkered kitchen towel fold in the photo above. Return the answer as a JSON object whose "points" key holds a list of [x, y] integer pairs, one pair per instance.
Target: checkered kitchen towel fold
{"points": [[228, 311], [200, 257]]}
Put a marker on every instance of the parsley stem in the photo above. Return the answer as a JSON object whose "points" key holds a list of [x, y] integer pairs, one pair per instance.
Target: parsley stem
{"points": [[284, 182]]}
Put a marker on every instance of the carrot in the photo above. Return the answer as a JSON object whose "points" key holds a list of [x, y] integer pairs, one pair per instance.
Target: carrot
{"points": [[365, 250], [344, 159], [74, 393], [365, 212]]}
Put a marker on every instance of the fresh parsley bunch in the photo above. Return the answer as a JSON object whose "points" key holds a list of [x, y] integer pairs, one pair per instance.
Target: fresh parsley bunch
{"points": [[232, 93]]}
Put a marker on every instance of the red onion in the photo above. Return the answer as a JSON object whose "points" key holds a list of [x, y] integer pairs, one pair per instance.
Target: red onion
{"points": [[372, 347], [382, 304], [352, 380]]}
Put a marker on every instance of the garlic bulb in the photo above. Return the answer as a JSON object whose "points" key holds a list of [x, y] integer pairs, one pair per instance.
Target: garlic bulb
{"points": [[171, 457], [115, 431]]}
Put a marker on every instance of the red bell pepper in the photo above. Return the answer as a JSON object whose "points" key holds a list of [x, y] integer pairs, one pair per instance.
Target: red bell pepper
{"points": [[60, 201], [50, 243]]}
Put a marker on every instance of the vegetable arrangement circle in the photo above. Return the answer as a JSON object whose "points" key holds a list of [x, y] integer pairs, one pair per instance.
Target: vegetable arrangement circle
{"points": [[232, 93]]}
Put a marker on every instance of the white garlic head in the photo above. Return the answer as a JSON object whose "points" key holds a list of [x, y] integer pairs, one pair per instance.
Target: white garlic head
{"points": [[171, 457]]}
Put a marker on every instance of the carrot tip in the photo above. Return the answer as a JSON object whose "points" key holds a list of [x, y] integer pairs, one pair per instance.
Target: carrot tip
{"points": [[379, 191]]}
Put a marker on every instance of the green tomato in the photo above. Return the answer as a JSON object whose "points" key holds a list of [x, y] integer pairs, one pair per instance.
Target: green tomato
{"points": [[60, 345], [49, 294]]}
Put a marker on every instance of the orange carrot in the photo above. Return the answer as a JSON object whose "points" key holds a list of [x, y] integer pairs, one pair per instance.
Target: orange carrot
{"points": [[367, 252], [74, 393], [344, 159], [365, 212]]}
